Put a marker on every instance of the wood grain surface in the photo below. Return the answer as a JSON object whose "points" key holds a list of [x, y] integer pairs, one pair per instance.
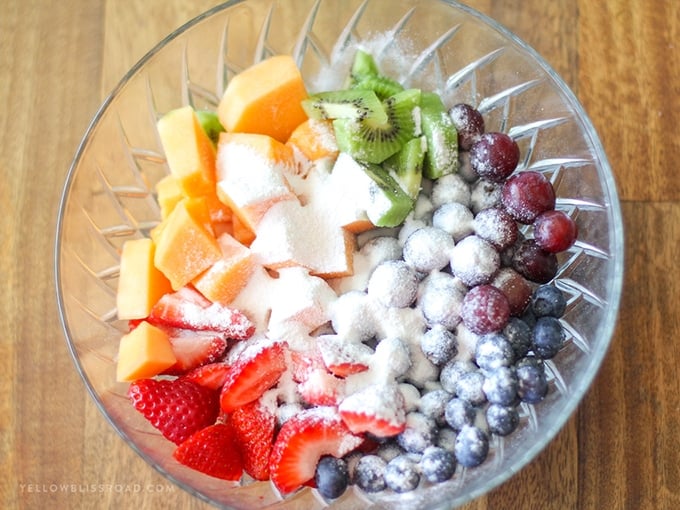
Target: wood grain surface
{"points": [[621, 450]]}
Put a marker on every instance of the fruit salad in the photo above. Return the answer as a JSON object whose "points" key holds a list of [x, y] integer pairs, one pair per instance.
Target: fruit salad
{"points": [[346, 287]]}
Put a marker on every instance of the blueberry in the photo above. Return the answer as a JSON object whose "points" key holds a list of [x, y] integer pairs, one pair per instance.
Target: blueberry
{"points": [[548, 300], [369, 474], [532, 384], [518, 333], [401, 474], [420, 432], [332, 477], [393, 283], [459, 413], [428, 249], [502, 420], [433, 405], [500, 386], [440, 296], [547, 337], [493, 350], [389, 450], [439, 345], [469, 387], [472, 446], [451, 372], [437, 464]]}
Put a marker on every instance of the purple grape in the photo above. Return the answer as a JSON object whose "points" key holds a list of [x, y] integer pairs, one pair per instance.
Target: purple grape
{"points": [[532, 262], [469, 124], [554, 231], [527, 194], [494, 156], [485, 309]]}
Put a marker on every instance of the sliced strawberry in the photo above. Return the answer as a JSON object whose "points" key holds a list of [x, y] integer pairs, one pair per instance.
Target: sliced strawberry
{"points": [[194, 349], [378, 409], [321, 388], [254, 426], [177, 408], [188, 309], [304, 363], [211, 375], [212, 450], [343, 357], [257, 368], [302, 441]]}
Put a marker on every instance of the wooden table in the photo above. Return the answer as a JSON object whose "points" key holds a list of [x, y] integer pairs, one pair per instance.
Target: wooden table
{"points": [[620, 450]]}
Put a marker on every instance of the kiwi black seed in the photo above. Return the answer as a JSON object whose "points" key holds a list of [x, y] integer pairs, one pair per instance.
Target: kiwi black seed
{"points": [[372, 140]]}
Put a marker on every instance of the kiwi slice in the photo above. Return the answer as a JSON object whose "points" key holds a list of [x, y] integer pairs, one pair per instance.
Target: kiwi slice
{"points": [[441, 157], [406, 166], [372, 140], [366, 75], [210, 123], [389, 204], [345, 104]]}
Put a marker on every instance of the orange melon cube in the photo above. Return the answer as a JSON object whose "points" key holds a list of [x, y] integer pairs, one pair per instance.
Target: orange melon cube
{"points": [[144, 352], [186, 245], [223, 281], [241, 232], [314, 139], [251, 174], [168, 192], [265, 99], [189, 151], [140, 283]]}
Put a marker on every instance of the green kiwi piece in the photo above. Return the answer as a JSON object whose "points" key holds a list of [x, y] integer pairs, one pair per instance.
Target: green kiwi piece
{"points": [[389, 205], [349, 104], [363, 65], [406, 166], [210, 123], [441, 157], [383, 86], [370, 140]]}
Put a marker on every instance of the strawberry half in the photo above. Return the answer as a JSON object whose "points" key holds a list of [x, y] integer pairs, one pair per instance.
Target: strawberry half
{"points": [[257, 368], [210, 376], [302, 441], [212, 450], [194, 349], [342, 357], [378, 409], [177, 408], [254, 427], [188, 309], [321, 388]]}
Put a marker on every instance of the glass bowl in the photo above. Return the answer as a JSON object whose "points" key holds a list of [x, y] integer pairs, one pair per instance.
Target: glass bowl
{"points": [[108, 197]]}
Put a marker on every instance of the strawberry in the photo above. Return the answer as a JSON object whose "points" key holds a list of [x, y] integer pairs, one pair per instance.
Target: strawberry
{"points": [[188, 309], [302, 441], [177, 408], [210, 376], [254, 427], [255, 370], [304, 363], [194, 349], [378, 409], [321, 388], [342, 357], [213, 451]]}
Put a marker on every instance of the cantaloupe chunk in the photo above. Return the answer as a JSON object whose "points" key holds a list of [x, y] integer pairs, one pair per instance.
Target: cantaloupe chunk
{"points": [[145, 351], [294, 235], [223, 281], [265, 99], [314, 139], [186, 244], [168, 193], [189, 151], [241, 232], [140, 283], [251, 171]]}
